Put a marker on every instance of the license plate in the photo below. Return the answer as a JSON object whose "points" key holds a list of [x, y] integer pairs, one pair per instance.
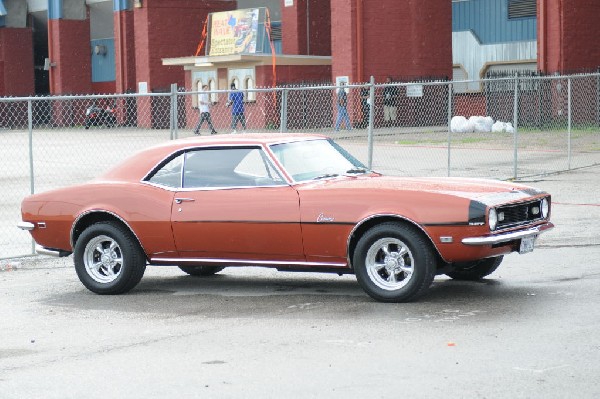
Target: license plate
{"points": [[527, 244]]}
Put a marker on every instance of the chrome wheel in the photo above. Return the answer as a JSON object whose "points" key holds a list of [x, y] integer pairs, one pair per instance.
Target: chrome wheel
{"points": [[389, 264], [394, 262], [103, 259], [108, 258]]}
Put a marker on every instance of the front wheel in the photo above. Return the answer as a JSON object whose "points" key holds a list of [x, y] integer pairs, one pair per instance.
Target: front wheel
{"points": [[473, 271], [394, 262], [202, 271], [108, 259]]}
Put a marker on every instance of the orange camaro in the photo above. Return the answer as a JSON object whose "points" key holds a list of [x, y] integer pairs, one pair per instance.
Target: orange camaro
{"points": [[289, 201]]}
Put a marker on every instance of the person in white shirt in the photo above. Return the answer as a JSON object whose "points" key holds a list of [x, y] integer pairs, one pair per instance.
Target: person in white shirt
{"points": [[203, 107]]}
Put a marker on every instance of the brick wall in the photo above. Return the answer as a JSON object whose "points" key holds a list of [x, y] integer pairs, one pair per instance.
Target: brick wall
{"points": [[16, 62], [412, 38], [293, 22], [343, 38], [567, 35], [169, 29], [319, 27], [69, 49], [124, 51]]}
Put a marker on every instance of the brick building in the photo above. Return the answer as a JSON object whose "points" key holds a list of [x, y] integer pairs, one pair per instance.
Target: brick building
{"points": [[102, 46]]}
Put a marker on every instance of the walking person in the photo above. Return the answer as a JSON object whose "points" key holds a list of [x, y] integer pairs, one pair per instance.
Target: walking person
{"points": [[390, 105], [365, 105], [342, 109], [203, 107], [236, 102]]}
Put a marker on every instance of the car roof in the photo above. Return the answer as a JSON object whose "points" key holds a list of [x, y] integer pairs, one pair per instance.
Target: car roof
{"points": [[135, 167], [245, 138]]}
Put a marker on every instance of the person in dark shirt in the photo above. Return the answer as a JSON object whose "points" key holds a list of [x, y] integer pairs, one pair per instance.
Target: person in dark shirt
{"points": [[390, 103], [236, 102], [365, 105]]}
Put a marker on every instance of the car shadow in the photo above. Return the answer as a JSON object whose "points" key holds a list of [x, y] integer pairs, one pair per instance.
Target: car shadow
{"points": [[293, 295]]}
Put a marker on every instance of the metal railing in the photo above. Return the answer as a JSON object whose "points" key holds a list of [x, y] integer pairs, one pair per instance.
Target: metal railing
{"points": [[404, 129]]}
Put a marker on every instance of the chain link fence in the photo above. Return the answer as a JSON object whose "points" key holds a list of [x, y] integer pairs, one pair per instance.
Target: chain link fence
{"points": [[404, 129]]}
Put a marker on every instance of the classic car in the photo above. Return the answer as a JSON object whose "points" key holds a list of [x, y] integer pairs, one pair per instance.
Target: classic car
{"points": [[288, 201]]}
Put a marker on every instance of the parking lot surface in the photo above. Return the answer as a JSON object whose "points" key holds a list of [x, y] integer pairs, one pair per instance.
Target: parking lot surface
{"points": [[530, 330]]}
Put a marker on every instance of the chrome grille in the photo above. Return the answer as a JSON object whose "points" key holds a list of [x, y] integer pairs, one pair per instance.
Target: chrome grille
{"points": [[518, 214]]}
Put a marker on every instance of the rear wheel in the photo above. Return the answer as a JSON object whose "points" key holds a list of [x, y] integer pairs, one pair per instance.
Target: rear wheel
{"points": [[108, 259], [473, 271], [394, 262], [202, 271]]}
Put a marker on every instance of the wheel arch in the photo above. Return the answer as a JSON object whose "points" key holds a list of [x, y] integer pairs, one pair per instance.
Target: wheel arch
{"points": [[89, 218], [367, 223]]}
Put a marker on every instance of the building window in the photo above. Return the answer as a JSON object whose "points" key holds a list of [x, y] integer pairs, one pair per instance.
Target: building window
{"points": [[249, 85], [236, 82], [197, 86], [522, 9], [212, 86]]}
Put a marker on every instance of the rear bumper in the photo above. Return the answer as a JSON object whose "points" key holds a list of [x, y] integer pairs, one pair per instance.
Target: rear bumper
{"points": [[506, 237], [26, 226], [58, 253]]}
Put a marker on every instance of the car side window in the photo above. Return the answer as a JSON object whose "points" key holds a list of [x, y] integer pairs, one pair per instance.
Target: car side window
{"points": [[169, 174], [257, 166], [229, 167]]}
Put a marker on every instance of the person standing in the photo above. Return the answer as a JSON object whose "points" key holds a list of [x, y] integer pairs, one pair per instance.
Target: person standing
{"points": [[203, 107], [342, 109], [365, 104], [236, 102], [390, 106]]}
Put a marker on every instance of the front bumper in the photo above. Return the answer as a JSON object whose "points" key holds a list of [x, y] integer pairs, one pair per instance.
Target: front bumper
{"points": [[506, 237]]}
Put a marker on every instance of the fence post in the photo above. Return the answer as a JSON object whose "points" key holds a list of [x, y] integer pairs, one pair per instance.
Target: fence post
{"points": [[449, 125], [174, 122], [31, 175], [283, 112], [516, 127], [371, 119], [569, 119], [30, 128]]}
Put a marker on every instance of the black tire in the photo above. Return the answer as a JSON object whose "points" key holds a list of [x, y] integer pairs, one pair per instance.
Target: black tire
{"points": [[202, 271], [473, 271], [117, 268], [394, 262]]}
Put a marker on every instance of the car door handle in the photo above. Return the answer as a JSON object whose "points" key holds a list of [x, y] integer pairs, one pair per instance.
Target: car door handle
{"points": [[180, 200]]}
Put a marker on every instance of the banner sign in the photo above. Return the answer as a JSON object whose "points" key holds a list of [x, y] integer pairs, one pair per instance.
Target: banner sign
{"points": [[233, 32]]}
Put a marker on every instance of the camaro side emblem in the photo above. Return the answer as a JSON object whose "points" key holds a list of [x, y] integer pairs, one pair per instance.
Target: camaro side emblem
{"points": [[322, 218]]}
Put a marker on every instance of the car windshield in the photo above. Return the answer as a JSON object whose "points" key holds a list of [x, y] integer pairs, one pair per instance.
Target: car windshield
{"points": [[316, 159]]}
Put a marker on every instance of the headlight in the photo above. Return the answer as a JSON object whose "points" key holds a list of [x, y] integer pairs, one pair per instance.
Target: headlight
{"points": [[545, 208], [493, 219]]}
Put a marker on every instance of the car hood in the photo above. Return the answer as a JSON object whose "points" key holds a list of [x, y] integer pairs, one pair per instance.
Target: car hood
{"points": [[489, 192]]}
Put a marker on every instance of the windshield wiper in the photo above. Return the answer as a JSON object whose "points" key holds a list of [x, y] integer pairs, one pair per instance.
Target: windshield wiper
{"points": [[325, 176]]}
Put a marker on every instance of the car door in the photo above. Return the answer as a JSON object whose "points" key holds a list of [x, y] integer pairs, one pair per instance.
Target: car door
{"points": [[235, 205]]}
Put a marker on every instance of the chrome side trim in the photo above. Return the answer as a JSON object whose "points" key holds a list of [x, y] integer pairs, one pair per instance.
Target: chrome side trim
{"points": [[26, 226], [396, 216], [515, 235], [102, 211], [245, 262]]}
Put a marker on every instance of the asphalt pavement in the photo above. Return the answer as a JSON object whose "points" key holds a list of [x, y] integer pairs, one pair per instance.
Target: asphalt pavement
{"points": [[530, 330]]}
